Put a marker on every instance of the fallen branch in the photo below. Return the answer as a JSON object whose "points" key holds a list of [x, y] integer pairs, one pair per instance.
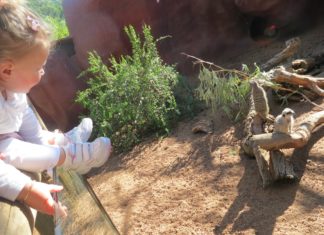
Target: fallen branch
{"points": [[292, 47], [301, 66], [216, 67], [299, 138], [280, 75], [263, 158], [280, 167]]}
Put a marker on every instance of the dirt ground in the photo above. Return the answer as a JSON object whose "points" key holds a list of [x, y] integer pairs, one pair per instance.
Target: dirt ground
{"points": [[201, 184]]}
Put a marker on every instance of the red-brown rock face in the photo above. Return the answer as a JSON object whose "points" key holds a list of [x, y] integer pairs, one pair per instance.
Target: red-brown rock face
{"points": [[54, 95], [203, 28], [196, 27]]}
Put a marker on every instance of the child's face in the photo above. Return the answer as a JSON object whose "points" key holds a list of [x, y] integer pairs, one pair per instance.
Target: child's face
{"points": [[27, 71]]}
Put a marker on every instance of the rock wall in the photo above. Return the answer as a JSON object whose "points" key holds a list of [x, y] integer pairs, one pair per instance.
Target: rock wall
{"points": [[197, 27], [207, 29], [54, 96]]}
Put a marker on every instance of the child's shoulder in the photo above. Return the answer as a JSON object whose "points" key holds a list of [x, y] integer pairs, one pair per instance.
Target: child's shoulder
{"points": [[16, 101]]}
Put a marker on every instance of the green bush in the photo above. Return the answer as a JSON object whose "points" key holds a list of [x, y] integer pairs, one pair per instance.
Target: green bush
{"points": [[59, 27], [186, 99], [226, 90], [52, 12], [134, 95]]}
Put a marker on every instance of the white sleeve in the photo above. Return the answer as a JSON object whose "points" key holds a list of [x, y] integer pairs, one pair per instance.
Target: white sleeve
{"points": [[12, 181], [30, 129]]}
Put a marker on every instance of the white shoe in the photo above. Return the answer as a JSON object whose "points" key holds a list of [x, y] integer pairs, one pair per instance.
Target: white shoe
{"points": [[78, 134], [81, 157]]}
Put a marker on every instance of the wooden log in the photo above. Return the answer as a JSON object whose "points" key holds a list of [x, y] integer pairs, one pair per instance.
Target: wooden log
{"points": [[262, 158], [292, 47], [301, 66], [253, 124], [280, 75], [274, 141], [280, 168]]}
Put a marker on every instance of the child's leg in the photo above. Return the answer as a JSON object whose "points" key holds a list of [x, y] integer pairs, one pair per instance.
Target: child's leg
{"points": [[78, 134], [32, 132], [80, 157], [28, 156]]}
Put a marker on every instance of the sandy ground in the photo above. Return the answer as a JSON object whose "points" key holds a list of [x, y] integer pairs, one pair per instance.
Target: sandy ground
{"points": [[200, 183]]}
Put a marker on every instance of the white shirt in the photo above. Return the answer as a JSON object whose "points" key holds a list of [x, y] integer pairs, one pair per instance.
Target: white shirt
{"points": [[11, 115], [11, 111], [12, 181]]}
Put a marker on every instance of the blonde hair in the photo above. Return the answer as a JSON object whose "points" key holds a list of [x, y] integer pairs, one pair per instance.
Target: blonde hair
{"points": [[21, 30]]}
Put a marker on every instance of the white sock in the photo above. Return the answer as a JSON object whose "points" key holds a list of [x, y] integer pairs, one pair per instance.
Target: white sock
{"points": [[78, 134]]}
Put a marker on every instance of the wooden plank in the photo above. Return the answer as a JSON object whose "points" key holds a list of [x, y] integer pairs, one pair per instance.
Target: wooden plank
{"points": [[15, 218]]}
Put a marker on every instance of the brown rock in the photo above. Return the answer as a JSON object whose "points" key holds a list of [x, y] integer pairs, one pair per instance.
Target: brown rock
{"points": [[54, 96]]}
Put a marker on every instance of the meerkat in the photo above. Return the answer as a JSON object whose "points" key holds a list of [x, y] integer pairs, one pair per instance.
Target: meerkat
{"points": [[284, 122], [260, 100]]}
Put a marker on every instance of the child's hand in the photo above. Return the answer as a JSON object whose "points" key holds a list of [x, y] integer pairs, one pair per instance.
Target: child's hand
{"points": [[38, 196]]}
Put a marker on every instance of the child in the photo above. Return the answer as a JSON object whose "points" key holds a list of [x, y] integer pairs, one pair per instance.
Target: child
{"points": [[24, 48]]}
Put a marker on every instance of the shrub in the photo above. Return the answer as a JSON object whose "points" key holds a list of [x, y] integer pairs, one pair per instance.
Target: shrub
{"points": [[59, 27], [186, 99], [52, 12], [133, 96], [226, 90]]}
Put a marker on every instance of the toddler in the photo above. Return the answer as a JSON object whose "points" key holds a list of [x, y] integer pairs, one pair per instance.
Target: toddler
{"points": [[24, 48]]}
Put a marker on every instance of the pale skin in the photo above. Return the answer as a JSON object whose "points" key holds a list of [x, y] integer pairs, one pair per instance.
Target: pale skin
{"points": [[20, 75]]}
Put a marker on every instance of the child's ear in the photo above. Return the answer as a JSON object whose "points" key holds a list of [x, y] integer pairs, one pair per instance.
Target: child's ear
{"points": [[6, 69]]}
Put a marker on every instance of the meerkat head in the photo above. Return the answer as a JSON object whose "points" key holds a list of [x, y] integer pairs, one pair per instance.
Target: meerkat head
{"points": [[254, 84], [287, 113]]}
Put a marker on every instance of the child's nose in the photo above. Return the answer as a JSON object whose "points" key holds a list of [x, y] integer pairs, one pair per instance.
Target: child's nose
{"points": [[42, 72]]}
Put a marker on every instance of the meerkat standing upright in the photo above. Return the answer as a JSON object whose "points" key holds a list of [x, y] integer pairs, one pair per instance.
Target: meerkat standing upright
{"points": [[260, 100], [284, 122]]}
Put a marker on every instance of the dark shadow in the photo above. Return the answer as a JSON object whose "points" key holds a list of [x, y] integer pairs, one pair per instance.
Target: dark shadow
{"points": [[300, 156], [263, 29], [254, 207]]}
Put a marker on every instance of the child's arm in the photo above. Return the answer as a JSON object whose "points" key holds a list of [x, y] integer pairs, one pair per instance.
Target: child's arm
{"points": [[12, 181], [15, 185]]}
